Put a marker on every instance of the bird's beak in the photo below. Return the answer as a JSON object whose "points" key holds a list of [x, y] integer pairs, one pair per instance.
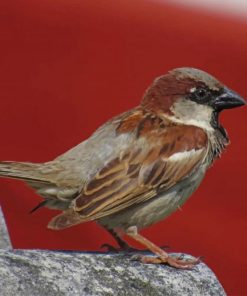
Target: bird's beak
{"points": [[228, 99]]}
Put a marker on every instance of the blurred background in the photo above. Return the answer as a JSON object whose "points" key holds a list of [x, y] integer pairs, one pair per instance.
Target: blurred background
{"points": [[68, 66]]}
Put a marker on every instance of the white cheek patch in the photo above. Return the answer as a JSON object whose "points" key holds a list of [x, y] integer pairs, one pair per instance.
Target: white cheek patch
{"points": [[191, 113]]}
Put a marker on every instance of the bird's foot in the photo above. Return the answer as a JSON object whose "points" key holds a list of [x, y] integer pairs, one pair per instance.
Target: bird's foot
{"points": [[126, 249], [109, 248], [177, 262], [181, 263], [161, 256]]}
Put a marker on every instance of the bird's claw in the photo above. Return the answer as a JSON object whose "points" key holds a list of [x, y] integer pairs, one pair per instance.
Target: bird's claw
{"points": [[172, 261], [109, 248], [165, 247], [112, 249], [182, 263]]}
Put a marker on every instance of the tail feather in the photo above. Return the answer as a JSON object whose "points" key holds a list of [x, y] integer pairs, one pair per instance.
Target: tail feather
{"points": [[22, 170]]}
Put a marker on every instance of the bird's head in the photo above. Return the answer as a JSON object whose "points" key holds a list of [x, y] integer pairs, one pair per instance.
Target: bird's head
{"points": [[191, 96]]}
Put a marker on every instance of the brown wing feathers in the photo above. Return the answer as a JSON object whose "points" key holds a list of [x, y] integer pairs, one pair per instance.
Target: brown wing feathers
{"points": [[139, 173]]}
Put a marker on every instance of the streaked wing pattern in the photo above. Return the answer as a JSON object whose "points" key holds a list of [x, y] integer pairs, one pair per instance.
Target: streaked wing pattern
{"points": [[137, 175]]}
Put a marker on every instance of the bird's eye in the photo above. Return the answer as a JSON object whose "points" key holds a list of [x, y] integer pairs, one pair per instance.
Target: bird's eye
{"points": [[201, 93]]}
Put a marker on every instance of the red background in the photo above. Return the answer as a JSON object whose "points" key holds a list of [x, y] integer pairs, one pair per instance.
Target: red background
{"points": [[67, 66]]}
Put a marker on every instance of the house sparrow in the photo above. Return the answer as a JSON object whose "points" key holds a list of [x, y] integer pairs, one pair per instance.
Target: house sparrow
{"points": [[140, 166]]}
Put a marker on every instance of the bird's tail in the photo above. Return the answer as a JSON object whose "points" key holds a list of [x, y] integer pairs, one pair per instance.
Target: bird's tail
{"points": [[26, 171]]}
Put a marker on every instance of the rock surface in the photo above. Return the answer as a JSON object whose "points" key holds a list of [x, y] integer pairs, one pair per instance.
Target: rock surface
{"points": [[50, 273], [4, 236]]}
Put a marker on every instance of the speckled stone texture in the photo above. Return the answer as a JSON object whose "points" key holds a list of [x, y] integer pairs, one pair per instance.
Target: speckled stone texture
{"points": [[4, 237], [50, 273]]}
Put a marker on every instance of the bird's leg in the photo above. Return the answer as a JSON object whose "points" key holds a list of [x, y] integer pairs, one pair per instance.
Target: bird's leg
{"points": [[122, 244], [162, 256]]}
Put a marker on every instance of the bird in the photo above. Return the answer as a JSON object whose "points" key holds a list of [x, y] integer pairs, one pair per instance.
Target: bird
{"points": [[140, 166]]}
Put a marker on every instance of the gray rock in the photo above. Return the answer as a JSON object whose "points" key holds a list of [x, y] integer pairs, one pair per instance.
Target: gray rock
{"points": [[5, 242], [52, 273]]}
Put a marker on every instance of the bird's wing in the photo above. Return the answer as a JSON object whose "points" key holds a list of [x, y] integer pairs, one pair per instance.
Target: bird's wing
{"points": [[161, 157]]}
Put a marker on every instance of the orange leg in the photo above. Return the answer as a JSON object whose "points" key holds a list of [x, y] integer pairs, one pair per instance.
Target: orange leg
{"points": [[162, 256], [124, 246]]}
